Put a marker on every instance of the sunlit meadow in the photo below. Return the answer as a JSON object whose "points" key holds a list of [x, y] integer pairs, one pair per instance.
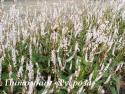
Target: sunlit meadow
{"points": [[64, 47]]}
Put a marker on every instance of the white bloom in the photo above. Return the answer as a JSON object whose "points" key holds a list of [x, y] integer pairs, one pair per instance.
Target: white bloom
{"points": [[49, 82], [10, 71], [91, 57], [38, 76], [1, 31], [29, 67], [64, 30], [14, 13], [43, 33], [77, 46], [88, 36], [102, 27], [64, 43], [30, 52], [54, 37], [20, 74], [53, 56], [115, 35], [14, 56], [102, 67], [78, 29], [31, 87]]}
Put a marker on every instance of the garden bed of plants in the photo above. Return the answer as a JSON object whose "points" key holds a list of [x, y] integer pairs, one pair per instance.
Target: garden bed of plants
{"points": [[72, 47]]}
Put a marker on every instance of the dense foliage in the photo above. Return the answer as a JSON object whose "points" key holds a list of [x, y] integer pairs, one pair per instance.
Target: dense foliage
{"points": [[72, 47]]}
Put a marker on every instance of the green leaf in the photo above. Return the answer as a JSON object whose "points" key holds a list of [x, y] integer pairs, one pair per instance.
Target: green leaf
{"points": [[113, 90]]}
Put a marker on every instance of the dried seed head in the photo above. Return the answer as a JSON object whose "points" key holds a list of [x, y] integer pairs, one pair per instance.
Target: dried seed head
{"points": [[9, 68], [55, 28]]}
